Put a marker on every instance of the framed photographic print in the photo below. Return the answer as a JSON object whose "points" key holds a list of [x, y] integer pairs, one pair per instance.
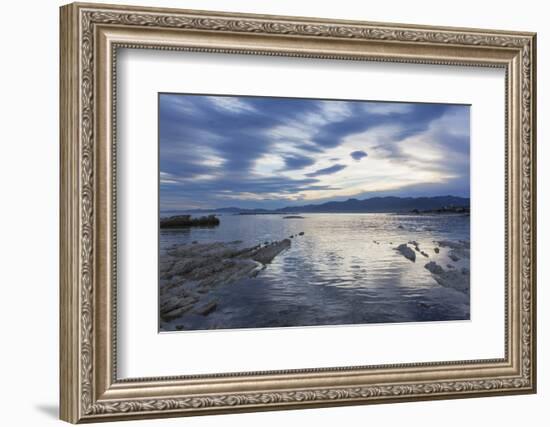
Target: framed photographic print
{"points": [[265, 212]]}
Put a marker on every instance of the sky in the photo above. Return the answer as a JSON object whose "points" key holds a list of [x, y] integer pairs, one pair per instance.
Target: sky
{"points": [[269, 152]]}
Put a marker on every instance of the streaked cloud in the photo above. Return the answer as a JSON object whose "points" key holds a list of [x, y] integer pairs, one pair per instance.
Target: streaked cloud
{"points": [[231, 104], [218, 151], [327, 171]]}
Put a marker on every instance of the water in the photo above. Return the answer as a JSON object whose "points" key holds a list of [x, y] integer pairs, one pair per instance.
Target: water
{"points": [[343, 270]]}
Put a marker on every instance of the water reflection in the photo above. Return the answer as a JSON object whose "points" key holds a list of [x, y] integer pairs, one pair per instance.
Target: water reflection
{"points": [[343, 270]]}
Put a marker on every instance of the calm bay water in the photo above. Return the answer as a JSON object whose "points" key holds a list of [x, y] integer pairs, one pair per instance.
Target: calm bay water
{"points": [[343, 270]]}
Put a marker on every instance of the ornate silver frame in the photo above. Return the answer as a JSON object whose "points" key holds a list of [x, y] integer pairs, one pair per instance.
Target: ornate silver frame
{"points": [[90, 36]]}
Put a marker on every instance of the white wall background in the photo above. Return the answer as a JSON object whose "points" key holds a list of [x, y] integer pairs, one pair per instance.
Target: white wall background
{"points": [[29, 170]]}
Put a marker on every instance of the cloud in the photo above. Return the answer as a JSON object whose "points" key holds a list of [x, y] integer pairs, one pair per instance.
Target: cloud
{"points": [[297, 161], [358, 155], [334, 111], [327, 171], [386, 108], [218, 151], [231, 104]]}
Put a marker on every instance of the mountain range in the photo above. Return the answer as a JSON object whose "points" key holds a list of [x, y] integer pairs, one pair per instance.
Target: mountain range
{"points": [[373, 204]]}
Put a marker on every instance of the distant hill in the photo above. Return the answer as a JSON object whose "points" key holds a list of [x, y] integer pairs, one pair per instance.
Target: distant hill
{"points": [[383, 204], [373, 204]]}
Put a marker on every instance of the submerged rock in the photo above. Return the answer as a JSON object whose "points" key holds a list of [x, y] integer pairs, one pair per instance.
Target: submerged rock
{"points": [[434, 268], [458, 250], [458, 280], [207, 308], [293, 217], [407, 252]]}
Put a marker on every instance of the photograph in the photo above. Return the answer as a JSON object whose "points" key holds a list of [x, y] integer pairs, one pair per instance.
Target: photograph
{"points": [[293, 212]]}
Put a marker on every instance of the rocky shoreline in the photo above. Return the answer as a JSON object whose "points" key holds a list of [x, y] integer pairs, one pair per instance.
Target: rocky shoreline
{"points": [[451, 276], [189, 271]]}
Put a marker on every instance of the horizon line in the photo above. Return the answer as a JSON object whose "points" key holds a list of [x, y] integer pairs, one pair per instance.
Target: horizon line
{"points": [[309, 204]]}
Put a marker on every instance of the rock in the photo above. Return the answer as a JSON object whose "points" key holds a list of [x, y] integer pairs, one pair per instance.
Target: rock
{"points": [[415, 244], [265, 255], [434, 267], [207, 308], [301, 233], [436, 250], [458, 280], [425, 254], [458, 250], [450, 244], [179, 221], [174, 314], [166, 265], [189, 272], [175, 302], [227, 272], [293, 217], [400, 226], [407, 252]]}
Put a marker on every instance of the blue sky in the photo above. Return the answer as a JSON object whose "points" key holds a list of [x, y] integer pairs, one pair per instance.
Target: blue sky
{"points": [[260, 152]]}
